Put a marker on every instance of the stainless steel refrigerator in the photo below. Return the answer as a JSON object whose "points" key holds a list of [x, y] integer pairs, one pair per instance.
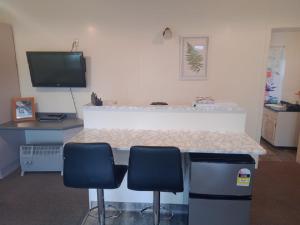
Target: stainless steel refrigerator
{"points": [[220, 189]]}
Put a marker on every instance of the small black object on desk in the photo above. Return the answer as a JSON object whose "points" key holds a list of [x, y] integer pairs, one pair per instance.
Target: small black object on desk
{"points": [[51, 117], [159, 103], [95, 100]]}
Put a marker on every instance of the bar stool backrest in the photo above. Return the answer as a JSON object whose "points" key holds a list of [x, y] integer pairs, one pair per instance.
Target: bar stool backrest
{"points": [[89, 165], [155, 168]]}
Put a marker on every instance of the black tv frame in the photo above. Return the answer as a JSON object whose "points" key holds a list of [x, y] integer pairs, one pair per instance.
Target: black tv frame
{"points": [[28, 53]]}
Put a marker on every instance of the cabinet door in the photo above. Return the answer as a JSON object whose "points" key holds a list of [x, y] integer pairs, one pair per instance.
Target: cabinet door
{"points": [[263, 127], [287, 130], [269, 129]]}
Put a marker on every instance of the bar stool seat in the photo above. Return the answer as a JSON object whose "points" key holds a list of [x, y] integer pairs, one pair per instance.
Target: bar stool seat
{"points": [[91, 165], [157, 169]]}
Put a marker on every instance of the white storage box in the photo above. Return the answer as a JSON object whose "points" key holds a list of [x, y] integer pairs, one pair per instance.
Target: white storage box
{"points": [[41, 158]]}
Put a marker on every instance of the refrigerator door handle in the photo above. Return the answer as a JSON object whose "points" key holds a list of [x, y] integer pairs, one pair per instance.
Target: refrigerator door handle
{"points": [[220, 197]]}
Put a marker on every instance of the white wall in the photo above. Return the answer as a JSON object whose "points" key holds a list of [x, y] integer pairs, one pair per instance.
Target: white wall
{"points": [[129, 62], [290, 39], [9, 88], [9, 82]]}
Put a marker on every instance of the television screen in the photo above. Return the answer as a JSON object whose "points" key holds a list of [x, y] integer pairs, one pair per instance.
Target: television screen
{"points": [[57, 69]]}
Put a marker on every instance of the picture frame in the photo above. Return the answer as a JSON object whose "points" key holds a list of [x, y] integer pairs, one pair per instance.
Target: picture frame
{"points": [[23, 109], [193, 58]]}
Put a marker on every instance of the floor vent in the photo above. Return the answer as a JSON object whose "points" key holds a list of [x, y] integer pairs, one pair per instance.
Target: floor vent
{"points": [[41, 158]]}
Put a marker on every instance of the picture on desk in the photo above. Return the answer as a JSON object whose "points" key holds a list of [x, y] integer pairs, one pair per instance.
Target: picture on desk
{"points": [[23, 109]]}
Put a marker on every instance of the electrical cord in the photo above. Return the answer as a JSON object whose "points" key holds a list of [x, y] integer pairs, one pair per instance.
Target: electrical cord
{"points": [[74, 103], [74, 46]]}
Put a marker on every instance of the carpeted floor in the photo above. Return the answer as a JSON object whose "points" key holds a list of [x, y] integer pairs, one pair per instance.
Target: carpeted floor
{"points": [[135, 218], [41, 198], [276, 194]]}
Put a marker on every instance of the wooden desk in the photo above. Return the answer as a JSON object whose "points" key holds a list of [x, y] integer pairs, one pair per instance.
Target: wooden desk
{"points": [[13, 134]]}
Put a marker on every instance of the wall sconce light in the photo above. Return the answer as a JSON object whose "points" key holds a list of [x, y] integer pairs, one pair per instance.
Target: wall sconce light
{"points": [[167, 33]]}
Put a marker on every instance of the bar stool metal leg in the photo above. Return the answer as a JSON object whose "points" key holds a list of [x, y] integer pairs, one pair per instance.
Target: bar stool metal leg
{"points": [[101, 208], [156, 207], [155, 204]]}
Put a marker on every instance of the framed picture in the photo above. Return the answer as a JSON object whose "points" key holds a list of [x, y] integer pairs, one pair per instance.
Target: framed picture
{"points": [[193, 58], [23, 109]]}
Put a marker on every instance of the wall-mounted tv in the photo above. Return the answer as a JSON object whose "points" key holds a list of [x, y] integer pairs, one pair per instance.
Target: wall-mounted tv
{"points": [[57, 69]]}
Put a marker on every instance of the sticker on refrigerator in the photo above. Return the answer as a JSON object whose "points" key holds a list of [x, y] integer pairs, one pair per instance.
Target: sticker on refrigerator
{"points": [[243, 177]]}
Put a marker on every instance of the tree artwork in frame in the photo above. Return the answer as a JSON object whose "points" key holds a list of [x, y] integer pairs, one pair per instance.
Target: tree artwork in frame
{"points": [[193, 58], [23, 109]]}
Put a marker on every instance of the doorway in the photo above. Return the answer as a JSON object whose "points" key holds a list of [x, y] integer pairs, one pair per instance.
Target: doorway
{"points": [[281, 116]]}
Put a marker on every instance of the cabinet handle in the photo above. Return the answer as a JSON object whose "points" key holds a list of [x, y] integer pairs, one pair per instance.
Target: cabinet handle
{"points": [[274, 132]]}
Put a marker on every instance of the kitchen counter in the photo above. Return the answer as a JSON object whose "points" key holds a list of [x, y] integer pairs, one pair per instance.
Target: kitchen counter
{"points": [[214, 128], [186, 141], [212, 108], [206, 117], [283, 108], [275, 109]]}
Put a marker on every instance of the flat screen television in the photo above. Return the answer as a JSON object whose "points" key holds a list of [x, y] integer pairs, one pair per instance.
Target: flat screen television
{"points": [[57, 69]]}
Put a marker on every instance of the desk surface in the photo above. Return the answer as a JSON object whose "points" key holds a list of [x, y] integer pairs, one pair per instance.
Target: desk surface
{"points": [[186, 141], [37, 125]]}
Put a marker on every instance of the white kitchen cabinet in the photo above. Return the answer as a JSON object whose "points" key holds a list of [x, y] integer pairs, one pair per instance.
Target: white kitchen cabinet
{"points": [[281, 128]]}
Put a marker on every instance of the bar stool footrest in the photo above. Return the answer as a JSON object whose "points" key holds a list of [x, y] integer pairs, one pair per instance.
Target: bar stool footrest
{"points": [[169, 213], [93, 212]]}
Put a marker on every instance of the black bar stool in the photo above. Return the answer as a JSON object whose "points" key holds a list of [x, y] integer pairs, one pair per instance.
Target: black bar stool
{"points": [[91, 165], [156, 169]]}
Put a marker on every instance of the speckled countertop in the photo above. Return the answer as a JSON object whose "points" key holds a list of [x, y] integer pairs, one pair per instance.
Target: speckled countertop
{"points": [[186, 141], [204, 108]]}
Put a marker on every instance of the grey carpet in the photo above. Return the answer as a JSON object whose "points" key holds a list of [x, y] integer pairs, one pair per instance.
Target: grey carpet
{"points": [[41, 199], [135, 218], [276, 194]]}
